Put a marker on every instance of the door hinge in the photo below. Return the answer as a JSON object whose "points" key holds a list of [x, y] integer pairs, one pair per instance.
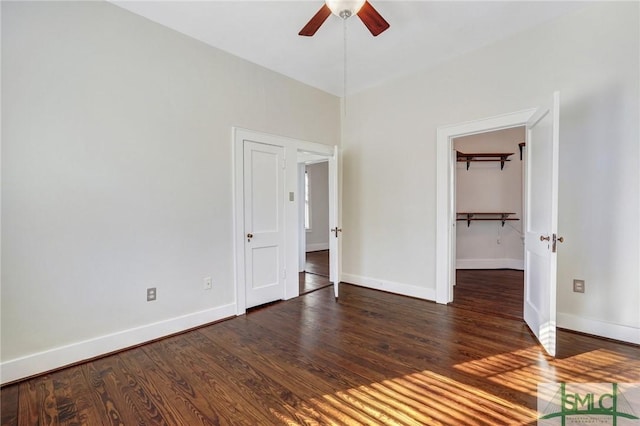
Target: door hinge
{"points": [[555, 241]]}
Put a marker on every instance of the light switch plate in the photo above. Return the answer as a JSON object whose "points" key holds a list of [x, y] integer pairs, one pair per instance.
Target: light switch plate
{"points": [[578, 286], [151, 294]]}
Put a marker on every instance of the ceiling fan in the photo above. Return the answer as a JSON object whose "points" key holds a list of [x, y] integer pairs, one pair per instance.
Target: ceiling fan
{"points": [[345, 9]]}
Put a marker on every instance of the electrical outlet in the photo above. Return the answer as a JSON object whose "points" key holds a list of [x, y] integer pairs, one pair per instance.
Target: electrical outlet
{"points": [[208, 283], [578, 286], [151, 294]]}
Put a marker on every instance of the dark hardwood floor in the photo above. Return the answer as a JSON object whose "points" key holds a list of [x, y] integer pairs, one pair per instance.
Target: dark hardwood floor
{"points": [[490, 291], [312, 282], [317, 272], [318, 262], [369, 358]]}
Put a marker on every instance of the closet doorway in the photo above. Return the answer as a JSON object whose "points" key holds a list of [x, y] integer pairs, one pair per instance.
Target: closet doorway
{"points": [[489, 209]]}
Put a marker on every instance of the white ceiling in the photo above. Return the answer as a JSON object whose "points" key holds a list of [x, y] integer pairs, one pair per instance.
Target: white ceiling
{"points": [[422, 34]]}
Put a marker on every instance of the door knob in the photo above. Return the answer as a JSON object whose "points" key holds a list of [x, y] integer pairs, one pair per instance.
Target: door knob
{"points": [[547, 238], [336, 230], [249, 237]]}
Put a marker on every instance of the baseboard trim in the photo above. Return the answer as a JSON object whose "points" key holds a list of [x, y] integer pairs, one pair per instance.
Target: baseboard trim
{"points": [[609, 330], [490, 264], [52, 359], [317, 247], [390, 286]]}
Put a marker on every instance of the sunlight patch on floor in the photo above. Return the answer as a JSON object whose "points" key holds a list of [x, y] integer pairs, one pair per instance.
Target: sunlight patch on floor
{"points": [[415, 399], [524, 369]]}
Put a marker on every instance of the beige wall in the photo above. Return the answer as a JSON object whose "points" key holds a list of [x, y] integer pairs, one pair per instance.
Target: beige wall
{"points": [[117, 175], [389, 145]]}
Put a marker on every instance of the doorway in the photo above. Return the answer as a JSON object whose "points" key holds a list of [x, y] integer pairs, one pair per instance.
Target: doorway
{"points": [[540, 215], [277, 171], [446, 213], [488, 195], [314, 226]]}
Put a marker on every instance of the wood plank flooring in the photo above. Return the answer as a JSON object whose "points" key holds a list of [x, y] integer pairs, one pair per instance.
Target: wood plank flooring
{"points": [[490, 291], [317, 272], [370, 358], [312, 282], [318, 262]]}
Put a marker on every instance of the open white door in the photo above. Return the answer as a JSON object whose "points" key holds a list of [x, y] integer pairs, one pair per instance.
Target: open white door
{"points": [[541, 224], [263, 223], [334, 240], [453, 236]]}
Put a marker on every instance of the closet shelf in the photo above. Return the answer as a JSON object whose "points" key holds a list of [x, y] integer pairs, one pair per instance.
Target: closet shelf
{"points": [[484, 156], [500, 216]]}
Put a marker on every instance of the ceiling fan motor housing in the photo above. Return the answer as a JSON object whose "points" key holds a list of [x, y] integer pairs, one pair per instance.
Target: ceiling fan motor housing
{"points": [[344, 8]]}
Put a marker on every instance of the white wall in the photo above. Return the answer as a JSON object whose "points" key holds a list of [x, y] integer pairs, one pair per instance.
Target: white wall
{"points": [[487, 188], [318, 235], [389, 186], [117, 176]]}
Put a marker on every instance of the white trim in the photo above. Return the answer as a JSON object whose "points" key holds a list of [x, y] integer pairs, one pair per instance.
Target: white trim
{"points": [[238, 221], [609, 330], [390, 286], [317, 246], [445, 167], [302, 232], [20, 368], [335, 243], [490, 264]]}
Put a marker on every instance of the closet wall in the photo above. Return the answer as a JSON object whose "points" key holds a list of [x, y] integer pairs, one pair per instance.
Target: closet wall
{"points": [[485, 187]]}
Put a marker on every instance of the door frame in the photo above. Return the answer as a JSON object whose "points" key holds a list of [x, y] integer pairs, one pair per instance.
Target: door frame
{"points": [[291, 147], [446, 160]]}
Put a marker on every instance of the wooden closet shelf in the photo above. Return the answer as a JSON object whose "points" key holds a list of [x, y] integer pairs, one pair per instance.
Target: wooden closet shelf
{"points": [[500, 216], [483, 156]]}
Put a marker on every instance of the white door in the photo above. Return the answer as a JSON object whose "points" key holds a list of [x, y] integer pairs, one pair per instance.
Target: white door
{"points": [[541, 201], [453, 259], [335, 229], [263, 223]]}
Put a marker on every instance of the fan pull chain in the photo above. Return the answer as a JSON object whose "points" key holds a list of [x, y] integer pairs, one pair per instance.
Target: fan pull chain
{"points": [[344, 83]]}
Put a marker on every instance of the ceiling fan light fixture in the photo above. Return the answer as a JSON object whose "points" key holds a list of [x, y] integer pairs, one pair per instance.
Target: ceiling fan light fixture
{"points": [[345, 8]]}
